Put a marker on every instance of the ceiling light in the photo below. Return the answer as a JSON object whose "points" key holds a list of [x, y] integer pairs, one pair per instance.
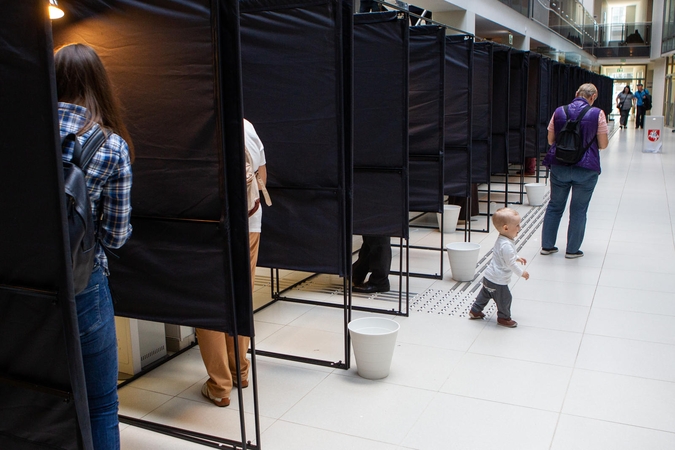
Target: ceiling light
{"points": [[54, 11]]}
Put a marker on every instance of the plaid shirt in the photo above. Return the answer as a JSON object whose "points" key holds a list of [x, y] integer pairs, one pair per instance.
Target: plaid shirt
{"points": [[108, 178]]}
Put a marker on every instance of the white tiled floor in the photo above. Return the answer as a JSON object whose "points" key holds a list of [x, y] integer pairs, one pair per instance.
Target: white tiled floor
{"points": [[591, 365]]}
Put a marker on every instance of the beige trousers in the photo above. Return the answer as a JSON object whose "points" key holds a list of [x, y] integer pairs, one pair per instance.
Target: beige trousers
{"points": [[217, 348]]}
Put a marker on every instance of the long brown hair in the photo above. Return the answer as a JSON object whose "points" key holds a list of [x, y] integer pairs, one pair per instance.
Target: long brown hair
{"points": [[82, 79]]}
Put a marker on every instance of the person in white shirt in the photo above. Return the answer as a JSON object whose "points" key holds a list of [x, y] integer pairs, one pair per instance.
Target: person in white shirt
{"points": [[504, 263], [216, 347]]}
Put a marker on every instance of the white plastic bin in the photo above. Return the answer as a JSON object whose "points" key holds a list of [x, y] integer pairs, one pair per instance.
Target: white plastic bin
{"points": [[463, 257], [373, 341], [535, 193], [451, 213]]}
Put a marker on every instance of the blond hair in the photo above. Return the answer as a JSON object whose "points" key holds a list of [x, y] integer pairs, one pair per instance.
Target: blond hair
{"points": [[505, 216], [587, 90]]}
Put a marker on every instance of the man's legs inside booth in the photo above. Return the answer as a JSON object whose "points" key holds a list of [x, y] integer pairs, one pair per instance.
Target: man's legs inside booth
{"points": [[374, 257]]}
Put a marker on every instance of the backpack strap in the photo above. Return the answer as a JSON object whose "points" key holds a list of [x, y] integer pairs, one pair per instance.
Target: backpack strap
{"points": [[82, 154], [581, 116], [583, 112], [93, 143]]}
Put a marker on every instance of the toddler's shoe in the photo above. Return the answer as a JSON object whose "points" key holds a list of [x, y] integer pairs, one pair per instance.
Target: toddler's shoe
{"points": [[475, 315], [548, 251], [507, 322], [222, 402], [578, 254]]}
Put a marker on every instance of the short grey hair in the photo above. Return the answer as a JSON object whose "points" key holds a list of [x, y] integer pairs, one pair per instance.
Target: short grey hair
{"points": [[587, 90]]}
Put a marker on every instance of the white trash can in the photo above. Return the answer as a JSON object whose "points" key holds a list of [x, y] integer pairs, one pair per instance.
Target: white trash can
{"points": [[653, 142], [373, 341], [451, 213], [535, 193], [463, 257]]}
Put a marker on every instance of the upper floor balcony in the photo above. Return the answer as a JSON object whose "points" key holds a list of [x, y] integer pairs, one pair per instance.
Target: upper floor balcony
{"points": [[624, 40]]}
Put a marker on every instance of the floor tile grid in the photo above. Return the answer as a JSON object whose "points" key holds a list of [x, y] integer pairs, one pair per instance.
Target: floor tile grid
{"points": [[556, 440], [570, 408]]}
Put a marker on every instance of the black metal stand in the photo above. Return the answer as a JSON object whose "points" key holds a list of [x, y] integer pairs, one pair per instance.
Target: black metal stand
{"points": [[188, 435], [347, 306]]}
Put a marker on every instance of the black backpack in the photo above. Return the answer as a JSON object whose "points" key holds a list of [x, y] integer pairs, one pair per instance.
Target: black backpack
{"points": [[81, 228], [569, 146], [647, 102]]}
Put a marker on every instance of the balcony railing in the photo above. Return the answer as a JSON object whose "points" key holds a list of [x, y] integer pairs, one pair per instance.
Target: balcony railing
{"points": [[623, 40], [572, 21]]}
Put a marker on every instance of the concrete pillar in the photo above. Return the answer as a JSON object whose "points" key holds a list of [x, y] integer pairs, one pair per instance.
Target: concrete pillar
{"points": [[462, 20], [521, 42]]}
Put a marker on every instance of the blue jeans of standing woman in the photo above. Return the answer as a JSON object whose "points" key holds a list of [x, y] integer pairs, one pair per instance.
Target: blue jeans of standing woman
{"points": [[96, 319], [582, 183]]}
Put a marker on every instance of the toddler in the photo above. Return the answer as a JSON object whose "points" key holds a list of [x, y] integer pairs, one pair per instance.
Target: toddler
{"points": [[498, 273]]}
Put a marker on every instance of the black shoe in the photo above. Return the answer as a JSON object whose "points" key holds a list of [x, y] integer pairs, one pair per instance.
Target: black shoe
{"points": [[368, 288], [548, 251], [578, 254]]}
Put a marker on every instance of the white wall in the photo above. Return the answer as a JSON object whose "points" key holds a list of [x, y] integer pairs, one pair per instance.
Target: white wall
{"points": [[658, 87], [589, 5], [462, 20], [503, 15], [658, 63], [640, 9]]}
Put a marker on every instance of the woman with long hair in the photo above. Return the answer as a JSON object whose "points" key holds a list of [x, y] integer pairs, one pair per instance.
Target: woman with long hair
{"points": [[624, 101], [87, 102]]}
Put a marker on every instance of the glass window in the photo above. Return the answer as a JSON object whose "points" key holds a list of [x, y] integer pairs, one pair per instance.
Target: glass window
{"points": [[668, 41], [617, 18]]}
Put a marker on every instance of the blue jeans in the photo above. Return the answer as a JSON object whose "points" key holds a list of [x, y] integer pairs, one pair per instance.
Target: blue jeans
{"points": [[96, 319], [582, 182]]}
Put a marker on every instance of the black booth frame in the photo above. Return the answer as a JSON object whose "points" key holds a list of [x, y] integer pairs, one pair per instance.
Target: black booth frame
{"points": [[344, 31], [277, 292], [223, 18], [439, 32], [225, 26], [467, 223], [487, 179], [521, 129], [441, 158]]}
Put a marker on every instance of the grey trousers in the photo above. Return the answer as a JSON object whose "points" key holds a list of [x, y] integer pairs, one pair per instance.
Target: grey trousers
{"points": [[500, 293]]}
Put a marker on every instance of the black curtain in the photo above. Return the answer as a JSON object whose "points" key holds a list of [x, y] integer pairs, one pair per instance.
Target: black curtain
{"points": [[41, 376], [381, 124], [564, 79], [458, 115], [501, 83], [554, 87], [297, 66], [518, 106], [605, 86], [545, 73], [175, 66], [481, 124], [533, 105], [426, 117]]}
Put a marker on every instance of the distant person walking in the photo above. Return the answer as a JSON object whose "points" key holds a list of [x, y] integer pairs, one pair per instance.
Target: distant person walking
{"points": [[640, 105], [624, 102], [580, 178]]}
